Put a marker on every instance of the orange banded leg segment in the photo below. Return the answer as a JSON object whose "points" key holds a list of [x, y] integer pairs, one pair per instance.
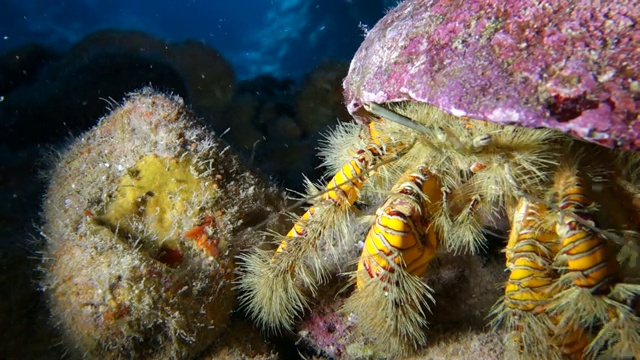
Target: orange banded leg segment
{"points": [[400, 236], [275, 287], [529, 254], [342, 190], [590, 292], [590, 263], [390, 296], [530, 251]]}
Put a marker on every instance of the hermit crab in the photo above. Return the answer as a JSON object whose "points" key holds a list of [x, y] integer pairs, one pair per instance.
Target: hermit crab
{"points": [[475, 117]]}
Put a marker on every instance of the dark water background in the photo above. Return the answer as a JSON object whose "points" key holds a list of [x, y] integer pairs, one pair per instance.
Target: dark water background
{"points": [[284, 38]]}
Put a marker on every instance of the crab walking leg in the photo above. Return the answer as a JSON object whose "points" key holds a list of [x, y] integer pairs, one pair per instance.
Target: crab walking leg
{"points": [[275, 286], [589, 264], [592, 293], [530, 332], [390, 296], [342, 190]]}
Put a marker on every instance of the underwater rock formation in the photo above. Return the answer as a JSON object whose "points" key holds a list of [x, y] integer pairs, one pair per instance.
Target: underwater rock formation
{"points": [[319, 102], [21, 65], [262, 123], [142, 218]]}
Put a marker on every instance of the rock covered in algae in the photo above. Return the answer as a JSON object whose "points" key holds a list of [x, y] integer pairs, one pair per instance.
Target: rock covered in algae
{"points": [[142, 219]]}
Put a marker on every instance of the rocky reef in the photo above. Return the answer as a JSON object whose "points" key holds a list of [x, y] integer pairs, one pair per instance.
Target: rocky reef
{"points": [[142, 218]]}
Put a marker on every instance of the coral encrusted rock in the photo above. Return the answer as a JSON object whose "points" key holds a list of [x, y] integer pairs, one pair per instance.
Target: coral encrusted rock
{"points": [[142, 218]]}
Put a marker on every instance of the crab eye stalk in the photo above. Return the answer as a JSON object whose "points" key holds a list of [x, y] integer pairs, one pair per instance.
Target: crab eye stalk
{"points": [[481, 141]]}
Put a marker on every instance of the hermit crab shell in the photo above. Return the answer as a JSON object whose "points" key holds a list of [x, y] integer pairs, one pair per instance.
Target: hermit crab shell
{"points": [[568, 65]]}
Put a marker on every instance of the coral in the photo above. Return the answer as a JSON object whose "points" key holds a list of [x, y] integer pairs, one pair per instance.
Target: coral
{"points": [[142, 219], [80, 86], [241, 341], [21, 65], [208, 77], [478, 345]]}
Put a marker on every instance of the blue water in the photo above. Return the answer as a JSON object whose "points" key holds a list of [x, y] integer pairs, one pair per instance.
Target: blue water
{"points": [[283, 38]]}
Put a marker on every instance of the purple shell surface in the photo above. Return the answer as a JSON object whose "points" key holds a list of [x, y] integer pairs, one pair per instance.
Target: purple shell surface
{"points": [[568, 65]]}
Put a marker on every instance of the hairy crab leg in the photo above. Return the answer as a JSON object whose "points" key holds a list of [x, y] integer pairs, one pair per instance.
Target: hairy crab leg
{"points": [[342, 190], [398, 233], [390, 296], [529, 254], [592, 293], [275, 286]]}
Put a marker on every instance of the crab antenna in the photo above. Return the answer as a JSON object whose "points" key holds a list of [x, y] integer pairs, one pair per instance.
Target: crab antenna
{"points": [[411, 124], [395, 117]]}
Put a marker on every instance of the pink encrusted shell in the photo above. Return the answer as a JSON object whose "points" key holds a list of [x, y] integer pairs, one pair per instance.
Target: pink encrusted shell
{"points": [[569, 65]]}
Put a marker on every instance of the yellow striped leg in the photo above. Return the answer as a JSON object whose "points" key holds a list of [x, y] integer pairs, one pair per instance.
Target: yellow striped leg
{"points": [[342, 190], [589, 261], [390, 297], [592, 295], [531, 332], [276, 286], [399, 237]]}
